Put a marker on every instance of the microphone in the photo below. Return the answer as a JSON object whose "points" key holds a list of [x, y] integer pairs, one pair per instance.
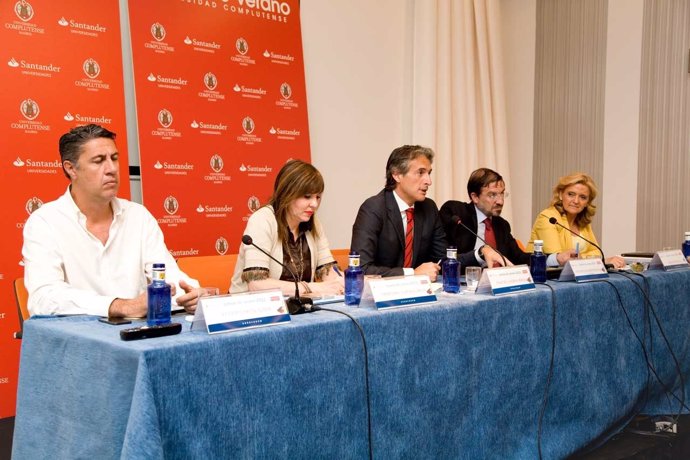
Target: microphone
{"points": [[296, 304], [554, 221], [458, 221]]}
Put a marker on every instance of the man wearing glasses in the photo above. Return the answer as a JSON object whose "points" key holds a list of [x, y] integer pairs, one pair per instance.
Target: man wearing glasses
{"points": [[486, 189]]}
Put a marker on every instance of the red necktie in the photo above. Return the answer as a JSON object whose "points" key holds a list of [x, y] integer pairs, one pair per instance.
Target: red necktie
{"points": [[489, 235], [409, 237]]}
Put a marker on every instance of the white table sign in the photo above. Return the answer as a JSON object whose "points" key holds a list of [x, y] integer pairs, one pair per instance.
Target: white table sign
{"points": [[504, 280], [582, 270], [227, 313], [672, 259], [401, 291]]}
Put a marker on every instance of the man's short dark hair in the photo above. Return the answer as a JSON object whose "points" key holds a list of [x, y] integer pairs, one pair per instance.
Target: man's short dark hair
{"points": [[71, 143], [481, 178], [399, 161]]}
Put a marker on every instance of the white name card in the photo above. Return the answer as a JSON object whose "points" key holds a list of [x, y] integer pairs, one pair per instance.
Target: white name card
{"points": [[672, 259], [582, 270], [504, 280], [227, 313], [401, 291]]}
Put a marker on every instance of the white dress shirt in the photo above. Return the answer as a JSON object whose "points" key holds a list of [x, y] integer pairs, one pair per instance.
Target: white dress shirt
{"points": [[67, 270], [407, 271]]}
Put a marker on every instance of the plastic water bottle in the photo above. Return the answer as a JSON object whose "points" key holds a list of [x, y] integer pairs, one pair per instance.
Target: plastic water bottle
{"points": [[451, 271], [158, 297], [537, 266], [686, 245], [354, 280]]}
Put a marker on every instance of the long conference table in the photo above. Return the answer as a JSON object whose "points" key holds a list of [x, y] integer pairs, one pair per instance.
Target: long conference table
{"points": [[464, 377]]}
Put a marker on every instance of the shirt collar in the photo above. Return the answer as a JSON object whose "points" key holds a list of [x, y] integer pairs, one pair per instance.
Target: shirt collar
{"points": [[114, 203], [481, 217], [401, 203]]}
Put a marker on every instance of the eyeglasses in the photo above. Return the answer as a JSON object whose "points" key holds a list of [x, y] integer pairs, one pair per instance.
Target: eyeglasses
{"points": [[493, 196]]}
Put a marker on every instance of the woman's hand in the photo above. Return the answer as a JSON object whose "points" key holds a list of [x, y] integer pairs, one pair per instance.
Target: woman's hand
{"points": [[616, 261], [333, 286], [563, 257]]}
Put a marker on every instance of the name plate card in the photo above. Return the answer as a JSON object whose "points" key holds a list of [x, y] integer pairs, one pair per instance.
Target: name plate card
{"points": [[228, 313], [582, 270], [504, 280], [401, 291], [672, 259]]}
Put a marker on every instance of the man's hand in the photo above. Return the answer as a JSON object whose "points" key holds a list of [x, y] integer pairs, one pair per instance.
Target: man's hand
{"points": [[429, 268], [129, 308], [493, 258], [190, 297]]}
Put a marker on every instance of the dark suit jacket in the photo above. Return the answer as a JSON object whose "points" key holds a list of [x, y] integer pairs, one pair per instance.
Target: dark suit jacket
{"points": [[466, 241], [377, 235]]}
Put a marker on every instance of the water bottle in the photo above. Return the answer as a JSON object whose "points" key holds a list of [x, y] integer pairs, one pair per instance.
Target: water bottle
{"points": [[686, 245], [354, 280], [451, 271], [537, 265], [158, 297]]}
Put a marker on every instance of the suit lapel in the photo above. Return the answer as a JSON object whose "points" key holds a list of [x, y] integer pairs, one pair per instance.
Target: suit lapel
{"points": [[394, 217]]}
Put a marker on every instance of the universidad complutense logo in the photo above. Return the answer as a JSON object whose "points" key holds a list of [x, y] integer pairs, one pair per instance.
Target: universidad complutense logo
{"points": [[171, 205], [24, 10], [91, 68], [221, 246], [286, 90], [158, 31], [165, 118], [216, 163], [242, 46], [29, 109], [32, 204], [211, 81], [248, 125]]}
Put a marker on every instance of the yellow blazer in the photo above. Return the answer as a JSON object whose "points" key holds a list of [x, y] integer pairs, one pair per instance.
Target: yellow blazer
{"points": [[557, 239]]}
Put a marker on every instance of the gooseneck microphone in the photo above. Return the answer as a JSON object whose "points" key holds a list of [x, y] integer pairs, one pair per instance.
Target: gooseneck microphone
{"points": [[554, 221], [458, 221], [296, 304]]}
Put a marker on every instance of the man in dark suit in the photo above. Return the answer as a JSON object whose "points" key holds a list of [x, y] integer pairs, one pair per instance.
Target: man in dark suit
{"points": [[398, 231], [482, 215]]}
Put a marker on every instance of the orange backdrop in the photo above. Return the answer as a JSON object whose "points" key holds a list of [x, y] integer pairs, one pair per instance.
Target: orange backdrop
{"points": [[62, 67], [221, 106]]}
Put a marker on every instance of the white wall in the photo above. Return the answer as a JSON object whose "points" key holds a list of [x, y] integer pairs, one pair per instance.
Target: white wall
{"points": [[621, 125], [357, 55], [621, 130], [518, 34]]}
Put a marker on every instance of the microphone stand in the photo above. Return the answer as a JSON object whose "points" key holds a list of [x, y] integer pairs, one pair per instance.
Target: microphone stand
{"points": [[554, 221], [295, 304], [459, 221]]}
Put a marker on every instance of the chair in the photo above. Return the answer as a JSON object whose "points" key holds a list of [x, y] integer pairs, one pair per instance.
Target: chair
{"points": [[210, 271], [341, 257], [21, 295], [520, 245]]}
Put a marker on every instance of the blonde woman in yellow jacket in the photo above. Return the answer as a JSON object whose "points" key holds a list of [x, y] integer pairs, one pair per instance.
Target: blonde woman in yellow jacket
{"points": [[572, 206]]}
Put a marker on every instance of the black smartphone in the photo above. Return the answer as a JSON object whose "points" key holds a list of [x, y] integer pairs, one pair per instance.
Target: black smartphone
{"points": [[114, 321]]}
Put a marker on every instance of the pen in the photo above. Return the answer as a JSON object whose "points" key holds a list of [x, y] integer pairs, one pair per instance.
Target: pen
{"points": [[337, 270], [577, 249]]}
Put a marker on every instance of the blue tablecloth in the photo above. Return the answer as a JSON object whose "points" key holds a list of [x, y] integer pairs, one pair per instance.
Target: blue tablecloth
{"points": [[460, 378]]}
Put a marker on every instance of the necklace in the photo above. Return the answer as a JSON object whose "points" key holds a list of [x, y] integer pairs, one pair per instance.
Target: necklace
{"points": [[296, 259]]}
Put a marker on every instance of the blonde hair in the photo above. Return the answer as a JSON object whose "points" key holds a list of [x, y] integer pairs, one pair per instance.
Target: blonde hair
{"points": [[585, 217]]}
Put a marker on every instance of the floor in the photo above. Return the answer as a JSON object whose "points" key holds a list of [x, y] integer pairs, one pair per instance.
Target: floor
{"points": [[629, 444], [639, 442]]}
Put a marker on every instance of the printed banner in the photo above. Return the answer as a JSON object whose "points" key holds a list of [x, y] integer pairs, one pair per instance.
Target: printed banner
{"points": [[221, 106], [61, 66]]}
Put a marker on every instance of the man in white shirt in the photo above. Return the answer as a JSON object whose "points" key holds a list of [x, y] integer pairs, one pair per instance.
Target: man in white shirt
{"points": [[89, 252]]}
